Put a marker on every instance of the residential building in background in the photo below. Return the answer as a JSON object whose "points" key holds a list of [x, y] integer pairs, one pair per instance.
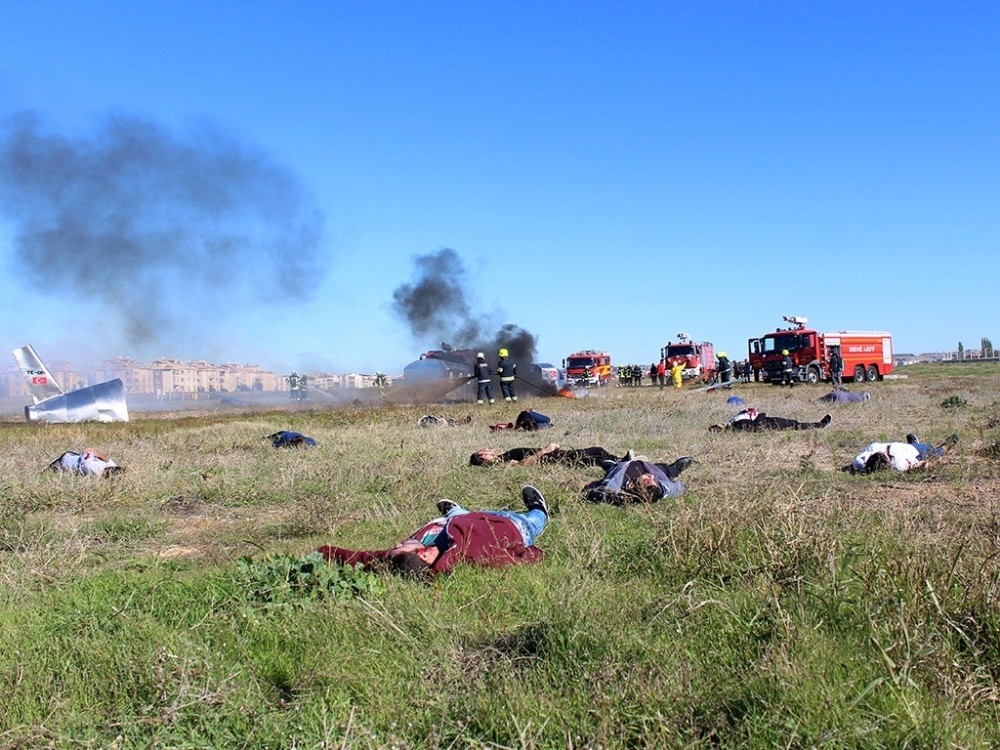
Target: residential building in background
{"points": [[173, 378]]}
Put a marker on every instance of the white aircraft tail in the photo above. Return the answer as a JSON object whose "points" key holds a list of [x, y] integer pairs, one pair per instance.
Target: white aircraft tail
{"points": [[104, 402], [40, 381]]}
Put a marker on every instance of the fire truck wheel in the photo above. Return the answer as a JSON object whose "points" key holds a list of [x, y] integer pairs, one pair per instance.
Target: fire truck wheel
{"points": [[812, 375], [859, 374], [872, 373]]}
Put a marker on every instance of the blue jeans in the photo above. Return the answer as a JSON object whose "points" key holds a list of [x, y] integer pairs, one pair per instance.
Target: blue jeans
{"points": [[926, 450], [530, 523]]}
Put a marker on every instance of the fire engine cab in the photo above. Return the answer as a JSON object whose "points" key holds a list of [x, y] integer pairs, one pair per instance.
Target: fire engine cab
{"points": [[588, 367], [698, 358], [867, 355]]}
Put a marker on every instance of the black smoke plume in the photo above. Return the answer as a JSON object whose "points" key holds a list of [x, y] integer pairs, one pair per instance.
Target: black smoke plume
{"points": [[436, 305], [168, 232]]}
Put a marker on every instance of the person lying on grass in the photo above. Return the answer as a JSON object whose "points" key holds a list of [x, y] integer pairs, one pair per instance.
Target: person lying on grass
{"points": [[636, 479], [913, 454], [89, 463], [550, 454], [844, 396], [490, 538], [751, 420]]}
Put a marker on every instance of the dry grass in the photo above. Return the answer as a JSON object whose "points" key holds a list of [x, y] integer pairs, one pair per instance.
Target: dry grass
{"points": [[725, 617]]}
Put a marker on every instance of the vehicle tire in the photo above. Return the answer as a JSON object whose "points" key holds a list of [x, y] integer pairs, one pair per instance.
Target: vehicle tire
{"points": [[859, 374], [812, 375], [872, 373]]}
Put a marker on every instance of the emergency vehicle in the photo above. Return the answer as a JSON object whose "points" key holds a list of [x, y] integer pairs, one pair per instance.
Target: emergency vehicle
{"points": [[588, 367], [698, 358], [867, 355]]}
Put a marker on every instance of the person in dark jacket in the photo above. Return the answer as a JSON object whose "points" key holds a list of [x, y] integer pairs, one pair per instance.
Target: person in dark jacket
{"points": [[751, 420], [489, 538], [552, 453], [484, 388], [836, 366], [788, 369], [507, 372], [723, 368]]}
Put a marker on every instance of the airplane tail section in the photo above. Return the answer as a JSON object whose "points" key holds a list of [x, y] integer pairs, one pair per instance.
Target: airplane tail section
{"points": [[40, 382], [104, 402]]}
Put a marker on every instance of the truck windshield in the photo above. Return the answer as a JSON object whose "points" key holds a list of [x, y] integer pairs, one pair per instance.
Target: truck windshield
{"points": [[575, 362], [680, 351], [789, 341]]}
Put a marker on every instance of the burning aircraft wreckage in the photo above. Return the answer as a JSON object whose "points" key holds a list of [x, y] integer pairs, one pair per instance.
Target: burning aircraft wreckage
{"points": [[447, 374]]}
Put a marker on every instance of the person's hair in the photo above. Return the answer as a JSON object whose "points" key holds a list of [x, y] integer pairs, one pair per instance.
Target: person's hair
{"points": [[484, 457], [408, 564], [877, 462]]}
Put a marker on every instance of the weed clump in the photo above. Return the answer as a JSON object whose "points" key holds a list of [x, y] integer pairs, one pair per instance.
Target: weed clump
{"points": [[954, 402], [290, 580]]}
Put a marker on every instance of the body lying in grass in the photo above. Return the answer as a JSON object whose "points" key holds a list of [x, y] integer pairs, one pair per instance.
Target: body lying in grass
{"points": [[636, 479], [896, 456], [751, 420], [89, 463], [550, 454], [490, 538]]}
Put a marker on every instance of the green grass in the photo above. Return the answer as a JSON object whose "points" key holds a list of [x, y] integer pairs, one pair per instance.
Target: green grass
{"points": [[778, 603]]}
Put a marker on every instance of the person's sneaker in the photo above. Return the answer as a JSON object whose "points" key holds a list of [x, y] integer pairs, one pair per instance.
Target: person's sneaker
{"points": [[826, 420], [951, 440], [630, 456], [445, 506], [680, 464], [533, 499], [911, 439]]}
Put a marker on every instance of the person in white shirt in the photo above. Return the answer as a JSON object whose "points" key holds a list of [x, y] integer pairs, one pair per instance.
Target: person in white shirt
{"points": [[913, 454]]}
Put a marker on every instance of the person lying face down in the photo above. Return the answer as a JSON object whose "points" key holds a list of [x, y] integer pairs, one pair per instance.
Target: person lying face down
{"points": [[897, 456], [751, 420], [844, 396], [489, 538], [550, 454], [636, 479]]}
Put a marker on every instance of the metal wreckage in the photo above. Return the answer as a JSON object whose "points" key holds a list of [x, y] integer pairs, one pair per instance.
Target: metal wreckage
{"points": [[104, 402]]}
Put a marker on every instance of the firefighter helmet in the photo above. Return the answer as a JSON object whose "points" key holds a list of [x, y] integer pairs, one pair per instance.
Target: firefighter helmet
{"points": [[784, 352], [503, 353]]}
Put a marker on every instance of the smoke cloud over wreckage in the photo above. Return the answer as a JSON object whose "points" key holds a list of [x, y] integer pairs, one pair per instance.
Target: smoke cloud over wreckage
{"points": [[437, 305], [163, 230]]}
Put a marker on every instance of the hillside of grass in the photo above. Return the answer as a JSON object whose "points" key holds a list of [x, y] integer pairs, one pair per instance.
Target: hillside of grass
{"points": [[778, 602]]}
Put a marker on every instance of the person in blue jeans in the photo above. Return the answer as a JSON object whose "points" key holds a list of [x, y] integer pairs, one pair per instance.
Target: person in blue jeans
{"points": [[531, 523], [488, 538]]}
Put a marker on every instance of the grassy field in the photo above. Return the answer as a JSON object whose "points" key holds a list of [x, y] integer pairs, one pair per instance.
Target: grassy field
{"points": [[778, 603]]}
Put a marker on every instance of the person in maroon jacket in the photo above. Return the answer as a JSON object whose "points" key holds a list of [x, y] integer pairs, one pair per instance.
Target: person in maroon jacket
{"points": [[490, 538]]}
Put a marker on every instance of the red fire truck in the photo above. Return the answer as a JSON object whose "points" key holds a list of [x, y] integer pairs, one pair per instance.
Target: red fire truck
{"points": [[698, 358], [588, 367], [867, 355]]}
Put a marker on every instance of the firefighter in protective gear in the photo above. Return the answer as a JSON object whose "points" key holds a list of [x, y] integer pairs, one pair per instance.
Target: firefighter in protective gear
{"points": [[296, 386], [724, 370], [788, 369], [507, 372], [484, 388]]}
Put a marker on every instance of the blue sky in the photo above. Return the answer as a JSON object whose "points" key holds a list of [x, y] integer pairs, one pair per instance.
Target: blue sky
{"points": [[608, 174]]}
